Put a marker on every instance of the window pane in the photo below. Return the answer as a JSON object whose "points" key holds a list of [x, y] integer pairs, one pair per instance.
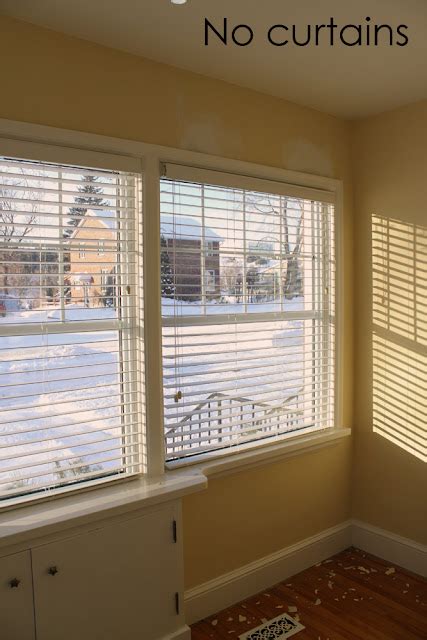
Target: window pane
{"points": [[67, 366], [247, 306]]}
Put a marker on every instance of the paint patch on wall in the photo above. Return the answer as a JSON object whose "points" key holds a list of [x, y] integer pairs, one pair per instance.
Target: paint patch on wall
{"points": [[301, 155]]}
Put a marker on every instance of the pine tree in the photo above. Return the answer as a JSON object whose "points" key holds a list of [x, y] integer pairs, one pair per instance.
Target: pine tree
{"points": [[90, 196], [167, 283]]}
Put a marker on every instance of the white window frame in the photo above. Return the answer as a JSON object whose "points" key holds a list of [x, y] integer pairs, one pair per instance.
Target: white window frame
{"points": [[122, 324], [18, 137], [321, 198]]}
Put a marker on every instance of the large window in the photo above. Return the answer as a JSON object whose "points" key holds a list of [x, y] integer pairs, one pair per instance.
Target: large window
{"points": [[247, 278], [247, 270], [68, 363]]}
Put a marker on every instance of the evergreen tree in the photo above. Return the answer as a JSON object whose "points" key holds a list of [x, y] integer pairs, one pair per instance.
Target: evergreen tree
{"points": [[167, 283], [90, 195]]}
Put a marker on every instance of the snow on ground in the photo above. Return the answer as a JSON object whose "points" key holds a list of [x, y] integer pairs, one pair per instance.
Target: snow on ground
{"points": [[58, 396], [227, 306], [60, 392], [259, 361]]}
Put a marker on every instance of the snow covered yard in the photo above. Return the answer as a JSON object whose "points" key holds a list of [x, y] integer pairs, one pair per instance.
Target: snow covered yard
{"points": [[61, 397], [231, 376], [61, 400]]}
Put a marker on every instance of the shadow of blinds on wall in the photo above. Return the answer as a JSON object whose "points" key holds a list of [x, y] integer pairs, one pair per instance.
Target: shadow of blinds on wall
{"points": [[399, 340], [68, 312], [248, 298]]}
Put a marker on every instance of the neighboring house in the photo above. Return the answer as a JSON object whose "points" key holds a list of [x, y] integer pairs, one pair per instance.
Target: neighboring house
{"points": [[92, 259], [183, 240], [263, 281]]}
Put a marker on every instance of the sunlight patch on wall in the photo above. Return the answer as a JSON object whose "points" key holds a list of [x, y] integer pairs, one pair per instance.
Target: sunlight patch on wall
{"points": [[399, 265]]}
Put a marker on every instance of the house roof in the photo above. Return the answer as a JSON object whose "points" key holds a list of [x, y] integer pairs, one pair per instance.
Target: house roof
{"points": [[107, 218], [185, 227]]}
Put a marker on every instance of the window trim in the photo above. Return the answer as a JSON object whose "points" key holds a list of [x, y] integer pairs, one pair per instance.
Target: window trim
{"points": [[254, 454], [183, 174], [122, 324], [61, 145]]}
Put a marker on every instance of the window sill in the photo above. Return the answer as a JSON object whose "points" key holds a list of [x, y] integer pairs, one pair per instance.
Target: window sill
{"points": [[27, 522], [250, 456], [30, 521]]}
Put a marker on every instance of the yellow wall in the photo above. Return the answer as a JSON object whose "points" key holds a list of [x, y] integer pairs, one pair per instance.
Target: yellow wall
{"points": [[55, 80], [390, 180]]}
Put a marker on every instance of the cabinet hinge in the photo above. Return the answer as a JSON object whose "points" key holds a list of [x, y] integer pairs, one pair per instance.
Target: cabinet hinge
{"points": [[177, 603], [174, 531]]}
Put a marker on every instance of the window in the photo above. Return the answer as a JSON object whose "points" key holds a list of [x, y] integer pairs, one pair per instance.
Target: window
{"points": [[68, 363], [211, 249], [101, 247], [210, 280], [104, 278], [248, 347]]}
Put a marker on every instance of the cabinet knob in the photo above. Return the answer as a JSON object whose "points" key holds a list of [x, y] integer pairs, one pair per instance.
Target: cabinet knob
{"points": [[14, 583], [52, 571]]}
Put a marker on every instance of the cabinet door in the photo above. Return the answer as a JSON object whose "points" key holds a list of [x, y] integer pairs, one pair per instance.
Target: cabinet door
{"points": [[115, 582], [16, 597]]}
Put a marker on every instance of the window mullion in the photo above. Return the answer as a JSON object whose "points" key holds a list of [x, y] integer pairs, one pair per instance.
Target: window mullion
{"points": [[326, 312], [61, 249], [203, 253], [245, 281]]}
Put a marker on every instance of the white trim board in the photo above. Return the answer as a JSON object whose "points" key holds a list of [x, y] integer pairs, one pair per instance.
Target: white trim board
{"points": [[395, 549], [224, 591], [184, 633], [230, 588]]}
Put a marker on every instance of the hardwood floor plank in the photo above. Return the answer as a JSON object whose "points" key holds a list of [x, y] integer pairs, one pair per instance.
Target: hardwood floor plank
{"points": [[352, 596]]}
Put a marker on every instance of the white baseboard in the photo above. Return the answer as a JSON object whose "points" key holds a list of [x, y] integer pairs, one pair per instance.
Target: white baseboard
{"points": [[184, 633], [224, 591], [395, 549]]}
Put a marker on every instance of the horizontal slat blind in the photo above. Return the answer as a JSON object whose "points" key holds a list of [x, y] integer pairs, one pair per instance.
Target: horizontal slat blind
{"points": [[69, 411], [248, 298], [182, 173]]}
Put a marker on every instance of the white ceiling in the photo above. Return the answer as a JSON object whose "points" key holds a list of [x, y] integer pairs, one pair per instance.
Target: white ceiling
{"points": [[350, 82]]}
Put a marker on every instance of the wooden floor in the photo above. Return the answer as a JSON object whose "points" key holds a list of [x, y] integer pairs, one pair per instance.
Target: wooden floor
{"points": [[352, 595]]}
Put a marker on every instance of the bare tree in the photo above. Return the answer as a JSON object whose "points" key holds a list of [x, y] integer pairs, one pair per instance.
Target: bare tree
{"points": [[290, 250], [15, 226], [292, 285], [232, 276], [22, 259]]}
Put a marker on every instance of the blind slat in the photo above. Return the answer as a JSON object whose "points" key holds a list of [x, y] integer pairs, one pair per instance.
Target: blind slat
{"points": [[68, 315], [247, 304]]}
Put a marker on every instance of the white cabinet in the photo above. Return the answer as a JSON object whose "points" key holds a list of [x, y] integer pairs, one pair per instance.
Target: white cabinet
{"points": [[116, 580], [16, 597]]}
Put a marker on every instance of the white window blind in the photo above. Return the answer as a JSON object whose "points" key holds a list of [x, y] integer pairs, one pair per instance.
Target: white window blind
{"points": [[248, 295], [69, 406]]}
